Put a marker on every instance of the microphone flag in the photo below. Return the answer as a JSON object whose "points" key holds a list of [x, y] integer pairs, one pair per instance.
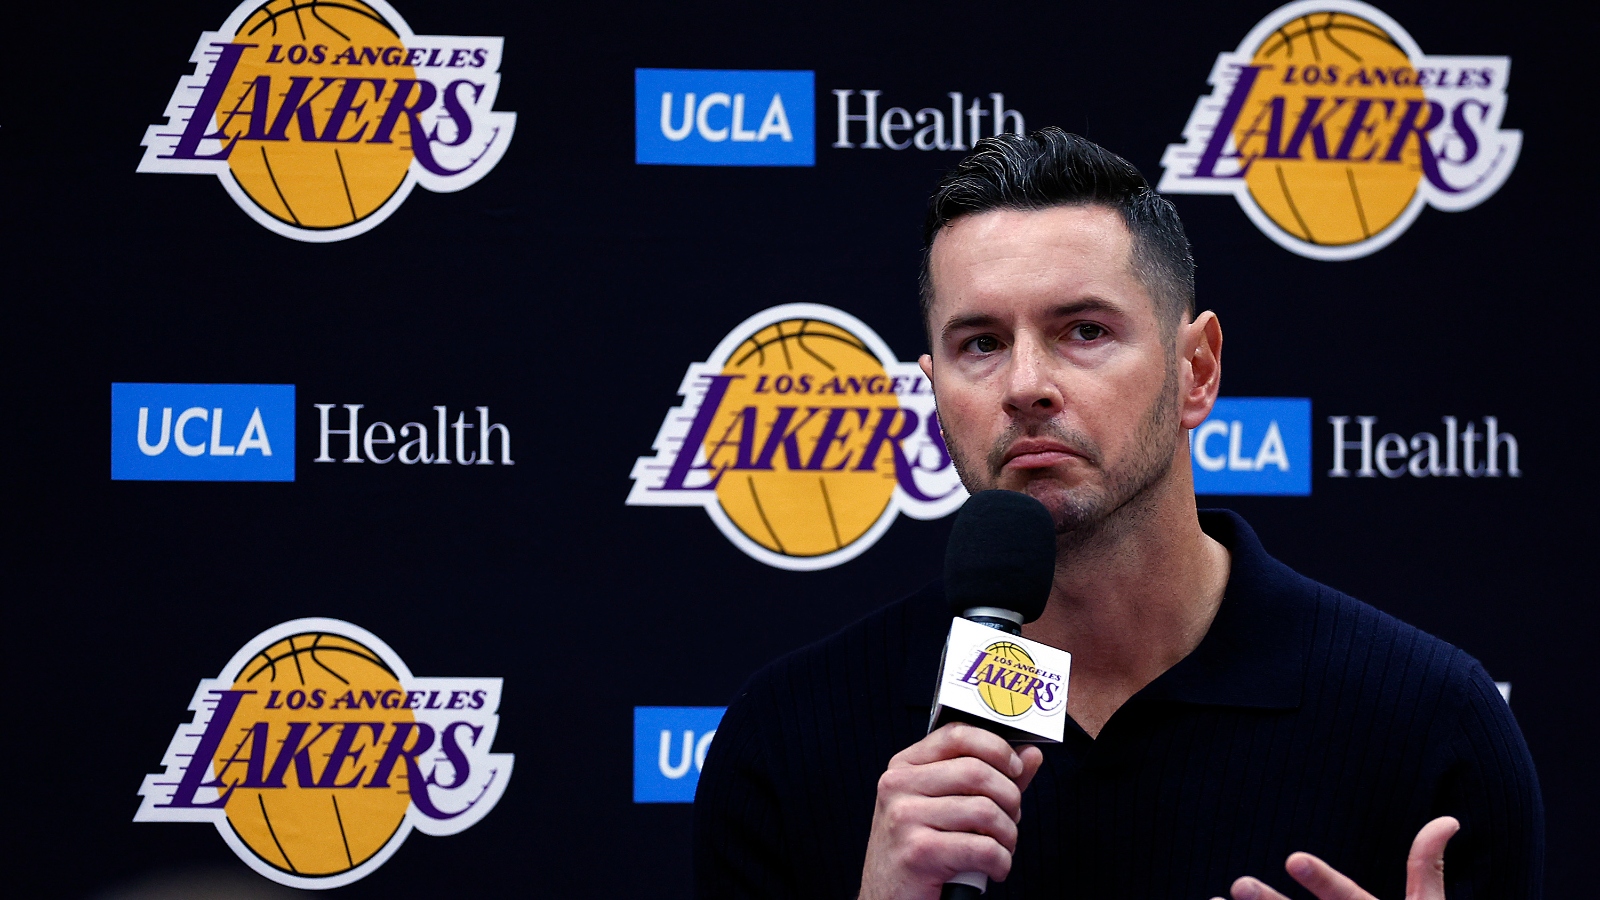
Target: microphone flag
{"points": [[1016, 687]]}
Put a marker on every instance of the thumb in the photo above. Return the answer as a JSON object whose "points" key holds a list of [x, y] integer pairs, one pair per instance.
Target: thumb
{"points": [[1425, 865], [1032, 758]]}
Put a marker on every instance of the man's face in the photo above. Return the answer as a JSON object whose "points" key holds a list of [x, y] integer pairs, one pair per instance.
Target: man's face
{"points": [[1051, 370]]}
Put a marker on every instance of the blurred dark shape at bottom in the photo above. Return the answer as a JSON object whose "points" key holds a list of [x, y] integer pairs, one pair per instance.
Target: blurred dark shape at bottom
{"points": [[197, 883]]}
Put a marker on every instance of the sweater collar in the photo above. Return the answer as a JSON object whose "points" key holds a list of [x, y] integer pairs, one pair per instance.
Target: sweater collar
{"points": [[1253, 655]]}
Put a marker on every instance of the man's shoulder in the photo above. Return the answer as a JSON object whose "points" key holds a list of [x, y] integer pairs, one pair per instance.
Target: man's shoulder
{"points": [[1357, 650], [1361, 644], [1342, 643], [867, 659]]}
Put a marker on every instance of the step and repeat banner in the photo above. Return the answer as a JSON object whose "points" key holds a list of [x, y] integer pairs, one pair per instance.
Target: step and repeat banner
{"points": [[442, 408]]}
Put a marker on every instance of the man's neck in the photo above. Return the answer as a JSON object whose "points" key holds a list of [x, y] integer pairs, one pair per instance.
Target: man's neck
{"points": [[1130, 601]]}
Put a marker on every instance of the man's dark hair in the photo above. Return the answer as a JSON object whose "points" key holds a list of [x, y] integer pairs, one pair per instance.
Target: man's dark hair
{"points": [[1054, 168]]}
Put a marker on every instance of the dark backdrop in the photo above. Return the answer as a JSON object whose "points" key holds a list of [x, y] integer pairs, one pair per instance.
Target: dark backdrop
{"points": [[569, 290]]}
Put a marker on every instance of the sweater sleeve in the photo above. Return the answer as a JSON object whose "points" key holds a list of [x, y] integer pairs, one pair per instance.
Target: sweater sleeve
{"points": [[738, 830], [1491, 787]]}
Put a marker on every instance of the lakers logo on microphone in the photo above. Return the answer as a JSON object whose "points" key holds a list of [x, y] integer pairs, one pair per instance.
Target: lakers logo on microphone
{"points": [[803, 437], [1333, 130], [316, 752], [320, 118], [1011, 683]]}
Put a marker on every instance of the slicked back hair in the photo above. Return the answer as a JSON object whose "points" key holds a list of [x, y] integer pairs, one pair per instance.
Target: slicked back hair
{"points": [[1051, 168]]}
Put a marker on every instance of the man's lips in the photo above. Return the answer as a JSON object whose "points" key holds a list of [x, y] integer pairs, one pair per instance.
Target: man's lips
{"points": [[1036, 454]]}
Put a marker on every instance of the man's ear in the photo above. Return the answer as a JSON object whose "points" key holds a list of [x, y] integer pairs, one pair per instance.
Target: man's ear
{"points": [[1199, 367], [926, 362]]}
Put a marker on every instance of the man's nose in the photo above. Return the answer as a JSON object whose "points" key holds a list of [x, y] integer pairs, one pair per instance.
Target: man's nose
{"points": [[1031, 388]]}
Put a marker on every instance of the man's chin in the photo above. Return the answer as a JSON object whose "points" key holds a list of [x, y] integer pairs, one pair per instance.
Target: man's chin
{"points": [[1071, 505], [1037, 483]]}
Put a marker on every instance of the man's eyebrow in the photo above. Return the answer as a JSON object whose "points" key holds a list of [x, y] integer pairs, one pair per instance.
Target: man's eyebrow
{"points": [[1087, 304], [1060, 311], [976, 320]]}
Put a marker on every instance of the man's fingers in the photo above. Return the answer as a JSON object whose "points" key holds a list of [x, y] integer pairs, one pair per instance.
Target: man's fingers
{"points": [[1248, 888], [1032, 758], [973, 815], [1322, 879], [955, 777], [960, 739], [941, 855], [1425, 865], [1424, 871]]}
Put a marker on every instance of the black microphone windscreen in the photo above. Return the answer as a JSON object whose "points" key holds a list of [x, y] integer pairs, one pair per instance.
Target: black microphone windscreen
{"points": [[1002, 553]]}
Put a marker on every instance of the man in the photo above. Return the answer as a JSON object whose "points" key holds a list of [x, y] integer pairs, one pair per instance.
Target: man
{"points": [[1226, 713]]}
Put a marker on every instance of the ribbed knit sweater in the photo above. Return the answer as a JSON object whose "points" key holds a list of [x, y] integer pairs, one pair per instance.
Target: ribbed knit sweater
{"points": [[1304, 720]]}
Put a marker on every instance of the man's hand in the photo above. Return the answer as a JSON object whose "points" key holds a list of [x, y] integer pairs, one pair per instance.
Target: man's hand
{"points": [[1424, 871], [948, 804]]}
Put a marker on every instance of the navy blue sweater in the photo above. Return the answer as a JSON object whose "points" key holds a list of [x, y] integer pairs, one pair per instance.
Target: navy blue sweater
{"points": [[1304, 720]]}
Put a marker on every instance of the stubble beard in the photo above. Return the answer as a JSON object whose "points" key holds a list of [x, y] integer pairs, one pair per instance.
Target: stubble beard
{"points": [[1088, 510]]}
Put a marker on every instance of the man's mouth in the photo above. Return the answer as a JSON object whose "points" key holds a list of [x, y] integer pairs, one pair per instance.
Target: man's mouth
{"points": [[1036, 453]]}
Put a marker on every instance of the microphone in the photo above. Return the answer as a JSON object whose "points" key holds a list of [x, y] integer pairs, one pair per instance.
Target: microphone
{"points": [[998, 569], [1001, 560]]}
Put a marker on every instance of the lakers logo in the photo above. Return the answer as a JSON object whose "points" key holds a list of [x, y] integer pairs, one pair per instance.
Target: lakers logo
{"points": [[802, 437], [320, 118], [1333, 130], [316, 752], [1010, 683]]}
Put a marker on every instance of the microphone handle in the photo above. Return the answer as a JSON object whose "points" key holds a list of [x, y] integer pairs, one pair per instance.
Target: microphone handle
{"points": [[965, 888], [972, 885]]}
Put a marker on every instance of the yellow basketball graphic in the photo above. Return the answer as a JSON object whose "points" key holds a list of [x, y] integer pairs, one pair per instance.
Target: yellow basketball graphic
{"points": [[1316, 72], [803, 437], [336, 822], [321, 117], [801, 411], [1006, 657], [321, 62]]}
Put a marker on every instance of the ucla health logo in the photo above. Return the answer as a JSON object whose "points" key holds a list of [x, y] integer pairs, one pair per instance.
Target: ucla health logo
{"points": [[319, 119], [714, 117], [316, 752], [1253, 445], [202, 432], [1333, 130], [669, 750], [802, 437]]}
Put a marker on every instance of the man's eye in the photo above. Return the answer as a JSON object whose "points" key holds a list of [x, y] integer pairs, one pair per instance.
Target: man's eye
{"points": [[1088, 331], [985, 343]]}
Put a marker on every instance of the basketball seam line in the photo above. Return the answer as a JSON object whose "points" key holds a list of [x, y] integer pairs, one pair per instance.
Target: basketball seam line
{"points": [[1370, 31], [801, 340], [760, 347], [346, 182], [300, 224], [342, 836], [297, 667], [1284, 184], [285, 200], [324, 666], [272, 661], [325, 22], [1288, 42], [1316, 52], [783, 344], [750, 479], [1327, 32], [1361, 213], [273, 17], [261, 798], [828, 504]]}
